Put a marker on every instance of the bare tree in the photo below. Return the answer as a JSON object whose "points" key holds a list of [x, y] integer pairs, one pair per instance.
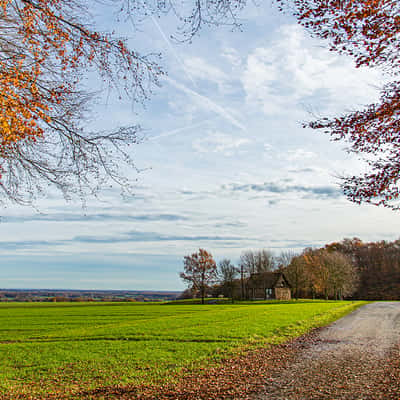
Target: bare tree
{"points": [[192, 15], [257, 261], [265, 260], [285, 257], [248, 263], [227, 274]]}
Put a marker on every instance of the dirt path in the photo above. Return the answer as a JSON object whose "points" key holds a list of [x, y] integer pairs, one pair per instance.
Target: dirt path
{"points": [[355, 358]]}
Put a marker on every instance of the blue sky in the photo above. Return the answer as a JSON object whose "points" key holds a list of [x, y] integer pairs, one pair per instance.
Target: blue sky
{"points": [[225, 163]]}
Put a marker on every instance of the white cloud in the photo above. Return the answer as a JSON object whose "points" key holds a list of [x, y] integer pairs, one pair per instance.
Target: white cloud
{"points": [[201, 69], [216, 142], [287, 72], [232, 56], [298, 154], [209, 72], [268, 147]]}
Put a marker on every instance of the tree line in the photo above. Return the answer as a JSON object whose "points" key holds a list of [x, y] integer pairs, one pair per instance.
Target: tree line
{"points": [[377, 265], [349, 269], [204, 277]]}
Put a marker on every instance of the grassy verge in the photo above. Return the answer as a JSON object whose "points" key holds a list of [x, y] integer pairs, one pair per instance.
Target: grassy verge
{"points": [[68, 347]]}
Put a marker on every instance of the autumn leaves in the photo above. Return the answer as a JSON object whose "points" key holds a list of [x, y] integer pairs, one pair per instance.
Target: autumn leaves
{"points": [[46, 48]]}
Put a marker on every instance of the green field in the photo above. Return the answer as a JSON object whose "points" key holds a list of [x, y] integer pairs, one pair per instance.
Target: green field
{"points": [[69, 347]]}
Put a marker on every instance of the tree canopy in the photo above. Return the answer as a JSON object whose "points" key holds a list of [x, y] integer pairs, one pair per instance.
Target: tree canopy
{"points": [[377, 264], [322, 273], [200, 270], [46, 47]]}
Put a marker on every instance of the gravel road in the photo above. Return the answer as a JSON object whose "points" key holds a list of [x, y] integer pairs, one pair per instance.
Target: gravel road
{"points": [[356, 358]]}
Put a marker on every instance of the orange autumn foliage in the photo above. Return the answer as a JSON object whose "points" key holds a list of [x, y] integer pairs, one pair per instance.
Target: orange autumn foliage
{"points": [[45, 49], [39, 32]]}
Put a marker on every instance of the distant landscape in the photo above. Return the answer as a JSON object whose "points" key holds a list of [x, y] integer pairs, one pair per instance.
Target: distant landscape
{"points": [[59, 295]]}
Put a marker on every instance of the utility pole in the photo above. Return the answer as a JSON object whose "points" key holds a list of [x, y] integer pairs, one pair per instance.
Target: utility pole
{"points": [[242, 280]]}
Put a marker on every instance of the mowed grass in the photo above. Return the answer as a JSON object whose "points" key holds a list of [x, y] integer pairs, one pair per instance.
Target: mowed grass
{"points": [[70, 347]]}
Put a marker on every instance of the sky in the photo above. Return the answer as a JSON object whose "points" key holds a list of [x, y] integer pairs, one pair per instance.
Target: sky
{"points": [[225, 164]]}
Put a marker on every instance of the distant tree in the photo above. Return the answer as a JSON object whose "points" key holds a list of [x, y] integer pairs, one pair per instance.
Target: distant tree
{"points": [[318, 272], [256, 261], [343, 277], [265, 260], [298, 276], [377, 264], [252, 262], [247, 263], [285, 257], [227, 274], [329, 274], [200, 270]]}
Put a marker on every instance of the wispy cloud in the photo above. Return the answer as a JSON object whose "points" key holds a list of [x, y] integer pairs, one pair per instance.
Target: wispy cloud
{"points": [[205, 71], [100, 217], [321, 192], [178, 130], [217, 142], [137, 236], [207, 103], [28, 244], [173, 51], [306, 170], [298, 154], [127, 237], [294, 243], [236, 224]]}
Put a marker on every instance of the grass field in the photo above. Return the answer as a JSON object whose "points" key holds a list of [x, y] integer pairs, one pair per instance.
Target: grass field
{"points": [[69, 347]]}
